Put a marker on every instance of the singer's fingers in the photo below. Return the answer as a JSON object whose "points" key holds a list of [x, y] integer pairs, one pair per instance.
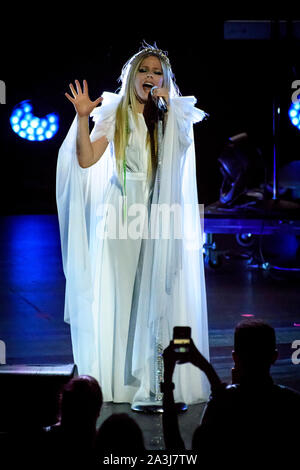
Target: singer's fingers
{"points": [[85, 87], [70, 98], [79, 91], [164, 92], [97, 101], [73, 90]]}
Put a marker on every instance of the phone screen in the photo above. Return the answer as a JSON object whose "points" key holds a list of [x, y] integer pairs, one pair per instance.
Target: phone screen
{"points": [[181, 339]]}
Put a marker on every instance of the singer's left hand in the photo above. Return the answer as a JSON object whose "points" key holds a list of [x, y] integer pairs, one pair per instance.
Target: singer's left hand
{"points": [[163, 92]]}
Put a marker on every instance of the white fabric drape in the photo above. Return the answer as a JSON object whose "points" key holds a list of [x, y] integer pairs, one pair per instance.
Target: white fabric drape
{"points": [[169, 287]]}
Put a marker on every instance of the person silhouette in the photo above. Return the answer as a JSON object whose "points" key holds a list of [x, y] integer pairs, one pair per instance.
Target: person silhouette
{"points": [[253, 416], [119, 435], [72, 438]]}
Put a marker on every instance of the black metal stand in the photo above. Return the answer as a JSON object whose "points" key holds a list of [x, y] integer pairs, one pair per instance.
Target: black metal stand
{"points": [[274, 31]]}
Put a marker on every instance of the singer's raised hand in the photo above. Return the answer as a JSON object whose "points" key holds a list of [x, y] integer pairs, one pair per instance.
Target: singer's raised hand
{"points": [[81, 100]]}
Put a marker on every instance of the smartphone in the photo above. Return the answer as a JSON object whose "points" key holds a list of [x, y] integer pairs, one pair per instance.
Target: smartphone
{"points": [[181, 339]]}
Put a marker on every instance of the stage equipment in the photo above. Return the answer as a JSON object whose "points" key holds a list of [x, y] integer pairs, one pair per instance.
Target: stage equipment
{"points": [[30, 127], [245, 239], [29, 394], [278, 32], [289, 178], [239, 162]]}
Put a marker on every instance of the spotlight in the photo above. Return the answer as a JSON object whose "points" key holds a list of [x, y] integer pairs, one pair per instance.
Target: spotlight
{"points": [[294, 114], [30, 127]]}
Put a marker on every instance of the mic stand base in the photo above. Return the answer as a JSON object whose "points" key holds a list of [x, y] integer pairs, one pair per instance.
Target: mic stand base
{"points": [[154, 407], [280, 204]]}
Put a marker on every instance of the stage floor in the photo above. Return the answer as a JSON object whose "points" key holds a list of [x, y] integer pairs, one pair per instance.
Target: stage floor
{"points": [[32, 300]]}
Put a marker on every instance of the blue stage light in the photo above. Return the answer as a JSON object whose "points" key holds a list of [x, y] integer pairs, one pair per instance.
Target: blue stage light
{"points": [[30, 127], [294, 114]]}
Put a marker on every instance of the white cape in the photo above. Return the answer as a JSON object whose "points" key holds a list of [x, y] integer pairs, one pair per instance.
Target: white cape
{"points": [[170, 283]]}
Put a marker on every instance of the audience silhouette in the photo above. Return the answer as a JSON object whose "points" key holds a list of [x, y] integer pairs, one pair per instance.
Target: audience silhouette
{"points": [[72, 438], [251, 421], [119, 435], [253, 418]]}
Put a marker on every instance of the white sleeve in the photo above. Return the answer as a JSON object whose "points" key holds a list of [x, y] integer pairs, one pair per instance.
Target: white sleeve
{"points": [[80, 192], [103, 126], [104, 117], [186, 114]]}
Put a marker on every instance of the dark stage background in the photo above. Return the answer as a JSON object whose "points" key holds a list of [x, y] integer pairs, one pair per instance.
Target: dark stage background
{"points": [[42, 51], [233, 80]]}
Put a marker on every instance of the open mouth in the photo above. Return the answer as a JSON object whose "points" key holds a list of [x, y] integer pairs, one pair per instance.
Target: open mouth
{"points": [[147, 86]]}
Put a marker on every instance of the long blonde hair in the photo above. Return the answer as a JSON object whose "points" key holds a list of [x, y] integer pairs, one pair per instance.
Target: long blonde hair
{"points": [[128, 93]]}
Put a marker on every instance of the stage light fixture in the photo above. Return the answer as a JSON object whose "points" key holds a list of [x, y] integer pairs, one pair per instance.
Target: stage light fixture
{"points": [[30, 127], [294, 114], [240, 165]]}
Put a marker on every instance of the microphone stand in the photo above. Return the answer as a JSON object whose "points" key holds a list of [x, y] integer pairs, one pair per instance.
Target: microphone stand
{"points": [[155, 404]]}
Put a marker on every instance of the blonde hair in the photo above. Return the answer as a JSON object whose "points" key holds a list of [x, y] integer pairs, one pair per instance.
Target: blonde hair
{"points": [[129, 98]]}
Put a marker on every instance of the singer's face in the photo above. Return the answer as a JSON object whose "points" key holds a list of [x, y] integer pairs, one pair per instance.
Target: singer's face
{"points": [[149, 74]]}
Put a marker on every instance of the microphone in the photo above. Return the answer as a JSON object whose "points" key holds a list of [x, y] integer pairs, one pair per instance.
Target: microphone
{"points": [[159, 101]]}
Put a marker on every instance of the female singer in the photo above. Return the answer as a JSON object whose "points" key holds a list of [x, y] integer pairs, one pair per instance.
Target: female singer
{"points": [[131, 233]]}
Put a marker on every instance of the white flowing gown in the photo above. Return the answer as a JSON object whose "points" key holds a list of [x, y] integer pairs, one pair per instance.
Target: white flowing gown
{"points": [[124, 294]]}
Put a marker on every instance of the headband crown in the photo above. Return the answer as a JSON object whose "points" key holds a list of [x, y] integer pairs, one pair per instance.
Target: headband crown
{"points": [[153, 50]]}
